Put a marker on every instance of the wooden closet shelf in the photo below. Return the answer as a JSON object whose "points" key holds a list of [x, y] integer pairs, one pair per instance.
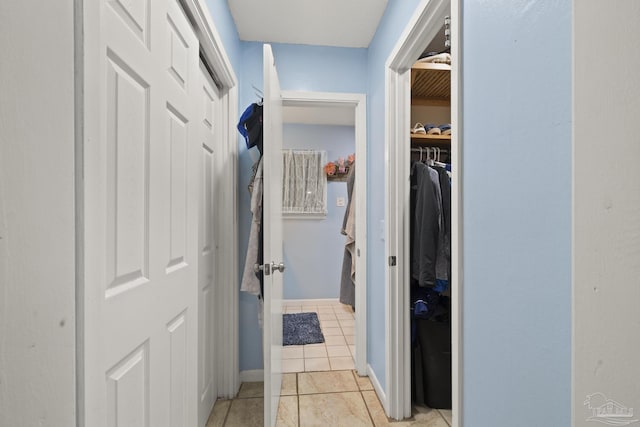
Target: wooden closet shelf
{"points": [[431, 140], [431, 84]]}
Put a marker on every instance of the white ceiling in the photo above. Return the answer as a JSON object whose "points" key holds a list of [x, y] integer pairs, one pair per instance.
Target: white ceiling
{"points": [[344, 23]]}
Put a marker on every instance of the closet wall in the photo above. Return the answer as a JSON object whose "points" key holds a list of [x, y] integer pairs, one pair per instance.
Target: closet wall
{"points": [[314, 248], [431, 351], [430, 114], [431, 97]]}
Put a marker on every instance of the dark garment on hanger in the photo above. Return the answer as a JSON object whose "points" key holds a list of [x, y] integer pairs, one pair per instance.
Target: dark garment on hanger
{"points": [[347, 284], [445, 189], [425, 228]]}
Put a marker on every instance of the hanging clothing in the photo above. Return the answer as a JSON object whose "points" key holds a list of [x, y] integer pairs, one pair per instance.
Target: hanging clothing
{"points": [[430, 243], [250, 126], [250, 281], [348, 277], [425, 226], [445, 190], [442, 269]]}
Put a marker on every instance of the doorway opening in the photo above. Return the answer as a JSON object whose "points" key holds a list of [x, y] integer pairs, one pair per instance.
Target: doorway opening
{"points": [[423, 28], [340, 117]]}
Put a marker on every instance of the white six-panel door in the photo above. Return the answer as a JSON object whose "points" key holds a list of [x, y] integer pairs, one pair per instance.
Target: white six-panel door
{"points": [[142, 159], [208, 123]]}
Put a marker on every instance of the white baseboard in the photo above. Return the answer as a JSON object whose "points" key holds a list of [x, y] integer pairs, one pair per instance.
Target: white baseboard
{"points": [[252, 376], [319, 301], [378, 388]]}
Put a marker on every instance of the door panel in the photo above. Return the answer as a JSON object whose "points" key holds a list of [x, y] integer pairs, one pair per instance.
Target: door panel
{"points": [[272, 222], [177, 133], [177, 329], [127, 142], [128, 389], [141, 169], [208, 103]]}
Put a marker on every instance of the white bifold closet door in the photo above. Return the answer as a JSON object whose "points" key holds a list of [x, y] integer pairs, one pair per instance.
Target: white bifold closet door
{"points": [[209, 124], [142, 165]]}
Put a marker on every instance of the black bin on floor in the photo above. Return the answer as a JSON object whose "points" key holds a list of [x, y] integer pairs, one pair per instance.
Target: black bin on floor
{"points": [[434, 339]]}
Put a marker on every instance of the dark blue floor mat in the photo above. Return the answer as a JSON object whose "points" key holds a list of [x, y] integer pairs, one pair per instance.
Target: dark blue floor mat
{"points": [[301, 328]]}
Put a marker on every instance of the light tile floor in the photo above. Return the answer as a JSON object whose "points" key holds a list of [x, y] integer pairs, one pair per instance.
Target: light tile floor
{"points": [[327, 399], [337, 322]]}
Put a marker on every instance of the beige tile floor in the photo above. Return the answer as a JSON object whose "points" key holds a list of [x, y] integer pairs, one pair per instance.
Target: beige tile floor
{"points": [[327, 399], [337, 322]]}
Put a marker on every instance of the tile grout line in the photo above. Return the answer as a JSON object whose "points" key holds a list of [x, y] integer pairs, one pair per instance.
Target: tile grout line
{"points": [[373, 423], [298, 400], [226, 414], [443, 417]]}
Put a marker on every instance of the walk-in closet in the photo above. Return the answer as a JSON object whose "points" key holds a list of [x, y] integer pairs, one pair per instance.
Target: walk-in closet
{"points": [[430, 228]]}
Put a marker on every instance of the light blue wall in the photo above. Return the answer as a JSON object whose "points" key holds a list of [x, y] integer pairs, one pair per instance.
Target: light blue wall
{"points": [[226, 28], [394, 20], [314, 248], [517, 212], [311, 68], [517, 207]]}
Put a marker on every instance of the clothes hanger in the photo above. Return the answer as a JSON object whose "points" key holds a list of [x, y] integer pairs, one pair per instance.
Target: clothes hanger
{"points": [[429, 160], [258, 94]]}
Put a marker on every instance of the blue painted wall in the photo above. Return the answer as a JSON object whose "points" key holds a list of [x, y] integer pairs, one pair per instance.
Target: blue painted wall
{"points": [[226, 28], [517, 207], [517, 212], [393, 22], [311, 68], [314, 248]]}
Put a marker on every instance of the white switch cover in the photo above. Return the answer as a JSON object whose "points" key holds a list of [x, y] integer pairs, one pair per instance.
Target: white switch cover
{"points": [[340, 201]]}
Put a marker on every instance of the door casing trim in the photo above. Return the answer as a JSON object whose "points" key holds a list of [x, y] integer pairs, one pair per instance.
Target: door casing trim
{"points": [[422, 27], [359, 103]]}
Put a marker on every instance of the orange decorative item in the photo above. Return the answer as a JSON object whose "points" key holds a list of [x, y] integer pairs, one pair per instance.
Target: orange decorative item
{"points": [[330, 168]]}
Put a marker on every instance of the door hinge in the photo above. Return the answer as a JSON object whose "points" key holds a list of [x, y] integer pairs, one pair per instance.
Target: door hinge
{"points": [[392, 261], [447, 32]]}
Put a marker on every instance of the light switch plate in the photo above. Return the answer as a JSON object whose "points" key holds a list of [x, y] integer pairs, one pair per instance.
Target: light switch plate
{"points": [[340, 201]]}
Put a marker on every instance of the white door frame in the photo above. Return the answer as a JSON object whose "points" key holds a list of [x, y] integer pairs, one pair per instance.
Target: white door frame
{"points": [[359, 103], [423, 26], [226, 306]]}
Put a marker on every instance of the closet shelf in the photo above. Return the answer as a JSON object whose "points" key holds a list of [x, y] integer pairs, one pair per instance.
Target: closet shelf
{"points": [[431, 140], [431, 84]]}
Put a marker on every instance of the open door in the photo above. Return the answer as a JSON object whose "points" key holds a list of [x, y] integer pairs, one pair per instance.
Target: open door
{"points": [[272, 223]]}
